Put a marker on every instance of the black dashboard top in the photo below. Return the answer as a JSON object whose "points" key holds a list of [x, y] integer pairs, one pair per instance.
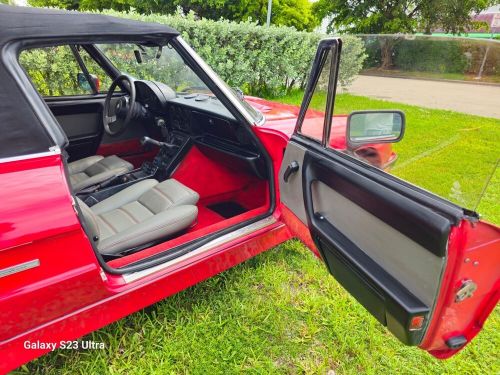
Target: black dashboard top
{"points": [[158, 99]]}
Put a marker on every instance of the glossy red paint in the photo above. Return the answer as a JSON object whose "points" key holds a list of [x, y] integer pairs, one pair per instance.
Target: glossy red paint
{"points": [[468, 244], [85, 301], [126, 299], [283, 117], [69, 296], [67, 277], [478, 243], [298, 229], [473, 254]]}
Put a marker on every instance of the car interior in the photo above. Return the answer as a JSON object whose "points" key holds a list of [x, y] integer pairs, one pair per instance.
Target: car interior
{"points": [[153, 164]]}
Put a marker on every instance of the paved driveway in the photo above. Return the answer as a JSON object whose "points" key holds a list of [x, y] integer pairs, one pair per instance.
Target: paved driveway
{"points": [[482, 100]]}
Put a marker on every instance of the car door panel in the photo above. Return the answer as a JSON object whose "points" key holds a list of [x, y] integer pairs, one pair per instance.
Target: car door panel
{"points": [[401, 251], [81, 120], [382, 244]]}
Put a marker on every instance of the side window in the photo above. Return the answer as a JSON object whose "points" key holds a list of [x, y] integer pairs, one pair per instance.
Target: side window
{"points": [[56, 72], [424, 110], [53, 71], [314, 119]]}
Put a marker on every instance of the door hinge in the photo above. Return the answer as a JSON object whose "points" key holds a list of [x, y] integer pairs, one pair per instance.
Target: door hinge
{"points": [[466, 290]]}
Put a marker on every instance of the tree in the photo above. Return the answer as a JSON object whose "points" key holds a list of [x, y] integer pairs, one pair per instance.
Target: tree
{"points": [[296, 13], [397, 16]]}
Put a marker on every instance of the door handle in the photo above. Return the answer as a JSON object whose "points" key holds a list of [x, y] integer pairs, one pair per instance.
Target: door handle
{"points": [[292, 168]]}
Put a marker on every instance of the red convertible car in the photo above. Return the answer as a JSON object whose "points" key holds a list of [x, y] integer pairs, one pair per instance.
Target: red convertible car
{"points": [[113, 200]]}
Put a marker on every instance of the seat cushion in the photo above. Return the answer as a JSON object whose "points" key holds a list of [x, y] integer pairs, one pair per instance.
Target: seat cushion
{"points": [[142, 213], [130, 234], [96, 169]]}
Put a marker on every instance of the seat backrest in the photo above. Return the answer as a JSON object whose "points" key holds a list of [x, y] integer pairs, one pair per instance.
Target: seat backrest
{"points": [[89, 219]]}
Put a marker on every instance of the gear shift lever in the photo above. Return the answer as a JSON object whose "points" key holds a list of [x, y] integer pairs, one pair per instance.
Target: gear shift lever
{"points": [[146, 140]]}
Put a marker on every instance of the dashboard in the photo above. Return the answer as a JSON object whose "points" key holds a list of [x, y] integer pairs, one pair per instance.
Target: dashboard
{"points": [[204, 119]]}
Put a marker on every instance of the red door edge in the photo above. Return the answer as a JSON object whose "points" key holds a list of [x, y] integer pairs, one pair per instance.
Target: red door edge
{"points": [[476, 242], [473, 255]]}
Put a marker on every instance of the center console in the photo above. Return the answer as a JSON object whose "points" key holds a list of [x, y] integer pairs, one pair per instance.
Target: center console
{"points": [[169, 156]]}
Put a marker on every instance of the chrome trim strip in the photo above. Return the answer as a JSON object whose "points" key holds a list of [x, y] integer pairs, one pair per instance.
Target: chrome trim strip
{"points": [[220, 83], [130, 277], [53, 151], [19, 267]]}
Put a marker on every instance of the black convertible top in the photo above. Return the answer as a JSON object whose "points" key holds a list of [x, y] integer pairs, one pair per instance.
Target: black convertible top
{"points": [[27, 23], [26, 125]]}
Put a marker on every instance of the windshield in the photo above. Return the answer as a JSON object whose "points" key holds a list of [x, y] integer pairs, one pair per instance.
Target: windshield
{"points": [[155, 64], [162, 64]]}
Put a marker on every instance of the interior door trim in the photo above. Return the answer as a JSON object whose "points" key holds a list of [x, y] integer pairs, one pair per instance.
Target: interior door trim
{"points": [[437, 204], [420, 223], [389, 208]]}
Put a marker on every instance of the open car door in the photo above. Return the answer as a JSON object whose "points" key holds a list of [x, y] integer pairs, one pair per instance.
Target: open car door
{"points": [[424, 267]]}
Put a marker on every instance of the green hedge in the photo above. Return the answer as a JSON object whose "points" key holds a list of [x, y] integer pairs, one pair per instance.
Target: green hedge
{"points": [[260, 60], [463, 56]]}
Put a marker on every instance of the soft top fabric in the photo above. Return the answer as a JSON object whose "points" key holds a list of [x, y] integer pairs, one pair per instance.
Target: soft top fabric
{"points": [[27, 23], [26, 125]]}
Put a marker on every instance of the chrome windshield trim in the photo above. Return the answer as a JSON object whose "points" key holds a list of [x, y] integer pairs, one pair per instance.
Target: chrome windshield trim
{"points": [[53, 151], [230, 95], [258, 225]]}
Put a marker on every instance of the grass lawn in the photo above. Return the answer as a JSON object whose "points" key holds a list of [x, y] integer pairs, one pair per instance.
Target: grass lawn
{"points": [[449, 153], [281, 312]]}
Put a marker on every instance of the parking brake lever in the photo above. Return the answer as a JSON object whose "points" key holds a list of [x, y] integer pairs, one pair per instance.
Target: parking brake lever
{"points": [[146, 140]]}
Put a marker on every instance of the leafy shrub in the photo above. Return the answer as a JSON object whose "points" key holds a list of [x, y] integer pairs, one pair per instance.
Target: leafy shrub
{"points": [[260, 60]]}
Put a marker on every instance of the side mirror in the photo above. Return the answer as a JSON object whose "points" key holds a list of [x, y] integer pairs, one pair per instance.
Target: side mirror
{"points": [[375, 127], [84, 84]]}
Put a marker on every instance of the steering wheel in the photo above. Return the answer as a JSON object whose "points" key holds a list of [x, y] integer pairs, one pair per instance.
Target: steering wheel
{"points": [[123, 108]]}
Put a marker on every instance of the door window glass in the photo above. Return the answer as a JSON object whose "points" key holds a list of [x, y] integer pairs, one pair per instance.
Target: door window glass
{"points": [[449, 91], [314, 119], [53, 71]]}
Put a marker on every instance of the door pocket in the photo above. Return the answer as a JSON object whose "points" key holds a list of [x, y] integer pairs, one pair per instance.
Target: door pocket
{"points": [[382, 295]]}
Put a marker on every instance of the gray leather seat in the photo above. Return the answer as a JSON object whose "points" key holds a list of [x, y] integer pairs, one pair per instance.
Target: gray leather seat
{"points": [[142, 213], [96, 169]]}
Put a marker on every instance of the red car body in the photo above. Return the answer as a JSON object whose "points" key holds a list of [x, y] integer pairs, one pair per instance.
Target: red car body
{"points": [[63, 292], [283, 117], [76, 297]]}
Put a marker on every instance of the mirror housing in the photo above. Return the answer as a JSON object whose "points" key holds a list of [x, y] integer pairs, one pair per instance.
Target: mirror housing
{"points": [[84, 84], [384, 126]]}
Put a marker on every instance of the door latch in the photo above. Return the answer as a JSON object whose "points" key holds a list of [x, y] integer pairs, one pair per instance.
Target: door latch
{"points": [[466, 290], [292, 168]]}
